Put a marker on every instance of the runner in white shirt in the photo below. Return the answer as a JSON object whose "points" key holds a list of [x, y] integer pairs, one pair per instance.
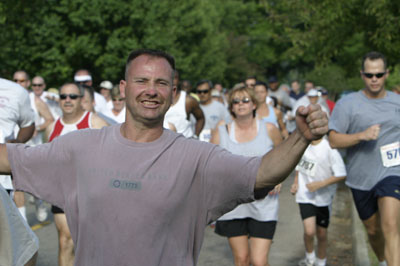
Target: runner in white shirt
{"points": [[317, 173], [18, 243]]}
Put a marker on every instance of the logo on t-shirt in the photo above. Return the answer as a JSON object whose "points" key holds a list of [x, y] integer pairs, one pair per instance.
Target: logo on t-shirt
{"points": [[126, 185], [3, 101]]}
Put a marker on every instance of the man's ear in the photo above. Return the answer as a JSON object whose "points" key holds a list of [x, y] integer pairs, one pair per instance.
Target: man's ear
{"points": [[122, 86]]}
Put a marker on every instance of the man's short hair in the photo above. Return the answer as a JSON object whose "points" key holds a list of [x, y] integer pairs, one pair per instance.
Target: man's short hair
{"points": [[373, 56], [24, 72], [89, 89], [204, 81], [152, 53], [261, 83], [80, 88]]}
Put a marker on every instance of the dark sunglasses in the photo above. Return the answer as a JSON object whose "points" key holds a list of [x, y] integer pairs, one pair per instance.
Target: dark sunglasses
{"points": [[37, 85], [377, 75], [237, 100], [71, 96], [118, 100], [19, 80], [203, 91]]}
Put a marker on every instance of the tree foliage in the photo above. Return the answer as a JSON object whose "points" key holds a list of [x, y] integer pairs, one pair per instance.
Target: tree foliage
{"points": [[220, 40]]}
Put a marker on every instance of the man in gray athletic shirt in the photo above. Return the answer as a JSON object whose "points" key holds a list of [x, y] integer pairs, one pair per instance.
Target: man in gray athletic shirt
{"points": [[367, 124], [214, 111], [138, 194]]}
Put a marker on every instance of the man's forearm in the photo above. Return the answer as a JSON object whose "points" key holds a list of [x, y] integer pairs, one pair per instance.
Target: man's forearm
{"points": [[199, 126], [25, 134], [5, 167], [277, 164], [342, 141]]}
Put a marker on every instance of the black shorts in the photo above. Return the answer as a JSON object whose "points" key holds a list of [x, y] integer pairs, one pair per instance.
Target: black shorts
{"points": [[55, 209], [367, 201], [322, 213], [246, 227]]}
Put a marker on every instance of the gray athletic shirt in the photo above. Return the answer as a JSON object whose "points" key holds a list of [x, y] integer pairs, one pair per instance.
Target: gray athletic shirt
{"points": [[131, 203], [355, 113]]}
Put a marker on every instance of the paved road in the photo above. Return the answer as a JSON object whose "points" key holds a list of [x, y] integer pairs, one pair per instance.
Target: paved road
{"points": [[287, 248]]}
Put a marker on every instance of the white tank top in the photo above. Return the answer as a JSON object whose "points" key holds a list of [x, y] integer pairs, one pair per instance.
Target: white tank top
{"points": [[177, 115], [264, 209]]}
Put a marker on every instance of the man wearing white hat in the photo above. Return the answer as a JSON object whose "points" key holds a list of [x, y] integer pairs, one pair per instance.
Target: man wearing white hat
{"points": [[105, 90], [83, 76]]}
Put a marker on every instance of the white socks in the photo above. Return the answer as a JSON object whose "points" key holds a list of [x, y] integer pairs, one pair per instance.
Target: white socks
{"points": [[320, 262], [22, 211], [310, 256], [382, 263]]}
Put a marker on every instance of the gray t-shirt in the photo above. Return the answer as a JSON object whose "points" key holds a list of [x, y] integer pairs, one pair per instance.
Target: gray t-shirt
{"points": [[213, 113], [131, 203], [355, 113]]}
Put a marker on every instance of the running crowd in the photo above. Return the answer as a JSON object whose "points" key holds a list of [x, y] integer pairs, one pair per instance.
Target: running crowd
{"points": [[160, 159]]}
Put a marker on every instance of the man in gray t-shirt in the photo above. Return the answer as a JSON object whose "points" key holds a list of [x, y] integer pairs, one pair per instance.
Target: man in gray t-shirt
{"points": [[367, 124], [138, 194], [214, 111]]}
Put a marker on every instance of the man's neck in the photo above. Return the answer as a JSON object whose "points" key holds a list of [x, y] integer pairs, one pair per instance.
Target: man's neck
{"points": [[73, 117], [138, 132], [206, 102], [380, 95]]}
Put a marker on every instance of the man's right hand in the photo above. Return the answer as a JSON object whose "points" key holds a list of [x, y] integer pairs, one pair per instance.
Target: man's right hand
{"points": [[371, 133]]}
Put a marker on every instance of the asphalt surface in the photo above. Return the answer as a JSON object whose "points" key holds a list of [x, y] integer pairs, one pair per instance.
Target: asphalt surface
{"points": [[287, 248]]}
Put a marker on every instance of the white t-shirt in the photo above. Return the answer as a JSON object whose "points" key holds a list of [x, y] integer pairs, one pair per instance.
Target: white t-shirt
{"points": [[319, 162], [120, 118], [15, 110]]}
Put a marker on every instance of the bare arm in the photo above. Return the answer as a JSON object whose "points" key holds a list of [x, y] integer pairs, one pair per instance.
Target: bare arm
{"points": [[313, 186], [274, 134], [282, 126], [48, 130], [193, 107], [98, 122], [5, 167], [276, 165], [340, 140], [44, 112], [295, 185], [24, 134]]}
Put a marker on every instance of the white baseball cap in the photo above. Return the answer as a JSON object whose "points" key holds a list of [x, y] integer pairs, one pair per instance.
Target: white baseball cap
{"points": [[106, 85]]}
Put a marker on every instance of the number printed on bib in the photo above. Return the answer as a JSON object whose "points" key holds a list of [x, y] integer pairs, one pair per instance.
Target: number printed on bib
{"points": [[391, 154], [307, 166]]}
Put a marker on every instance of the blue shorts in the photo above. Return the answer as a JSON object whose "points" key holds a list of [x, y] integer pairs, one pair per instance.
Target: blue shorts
{"points": [[367, 201]]}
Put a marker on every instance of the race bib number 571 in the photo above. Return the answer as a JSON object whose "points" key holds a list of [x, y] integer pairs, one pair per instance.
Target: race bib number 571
{"points": [[391, 154]]}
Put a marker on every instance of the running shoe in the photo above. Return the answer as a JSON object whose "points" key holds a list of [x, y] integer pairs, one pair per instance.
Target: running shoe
{"points": [[306, 262], [41, 212]]}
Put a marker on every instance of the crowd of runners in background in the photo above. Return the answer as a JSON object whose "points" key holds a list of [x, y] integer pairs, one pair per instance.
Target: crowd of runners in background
{"points": [[249, 118]]}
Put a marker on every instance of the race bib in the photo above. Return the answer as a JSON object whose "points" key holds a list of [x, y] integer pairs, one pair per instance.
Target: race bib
{"points": [[391, 154], [205, 135], [307, 166]]}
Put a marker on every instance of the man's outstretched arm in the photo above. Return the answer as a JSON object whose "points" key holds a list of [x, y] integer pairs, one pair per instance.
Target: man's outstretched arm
{"points": [[4, 163], [276, 165]]}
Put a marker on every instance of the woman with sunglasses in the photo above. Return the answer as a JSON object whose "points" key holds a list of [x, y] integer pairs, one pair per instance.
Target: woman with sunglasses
{"points": [[256, 221], [117, 113]]}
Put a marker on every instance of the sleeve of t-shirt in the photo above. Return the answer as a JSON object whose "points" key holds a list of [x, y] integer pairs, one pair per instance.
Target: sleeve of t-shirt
{"points": [[26, 117], [45, 171], [337, 164], [339, 120], [229, 181]]}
